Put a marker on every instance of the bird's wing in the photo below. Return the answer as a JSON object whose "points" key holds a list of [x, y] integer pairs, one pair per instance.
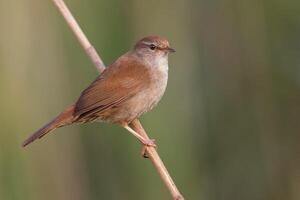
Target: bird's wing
{"points": [[120, 81]]}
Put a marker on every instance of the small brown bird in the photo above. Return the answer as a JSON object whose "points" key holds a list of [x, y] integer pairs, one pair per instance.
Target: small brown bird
{"points": [[128, 88]]}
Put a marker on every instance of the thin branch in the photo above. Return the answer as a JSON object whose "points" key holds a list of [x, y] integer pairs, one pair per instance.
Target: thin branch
{"points": [[86, 45], [136, 125], [158, 163]]}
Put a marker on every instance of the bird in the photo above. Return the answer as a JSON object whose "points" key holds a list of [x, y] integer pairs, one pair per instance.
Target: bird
{"points": [[131, 86]]}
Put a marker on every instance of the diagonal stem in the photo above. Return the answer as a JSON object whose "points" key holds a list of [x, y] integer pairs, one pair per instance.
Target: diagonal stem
{"points": [[84, 42], [157, 162], [136, 125]]}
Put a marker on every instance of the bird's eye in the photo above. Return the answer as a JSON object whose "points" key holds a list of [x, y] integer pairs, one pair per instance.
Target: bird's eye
{"points": [[152, 47]]}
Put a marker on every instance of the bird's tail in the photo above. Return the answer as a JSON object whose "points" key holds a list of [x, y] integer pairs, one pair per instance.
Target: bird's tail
{"points": [[64, 118]]}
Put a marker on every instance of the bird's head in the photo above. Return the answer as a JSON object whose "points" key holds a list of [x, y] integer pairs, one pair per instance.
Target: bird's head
{"points": [[153, 47]]}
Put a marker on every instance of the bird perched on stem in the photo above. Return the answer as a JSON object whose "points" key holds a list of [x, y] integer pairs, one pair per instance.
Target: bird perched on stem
{"points": [[128, 88]]}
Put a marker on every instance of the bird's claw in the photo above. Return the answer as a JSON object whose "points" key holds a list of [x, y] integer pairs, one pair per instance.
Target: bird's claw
{"points": [[147, 143]]}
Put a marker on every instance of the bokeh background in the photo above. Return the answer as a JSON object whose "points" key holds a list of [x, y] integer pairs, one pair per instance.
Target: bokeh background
{"points": [[228, 127]]}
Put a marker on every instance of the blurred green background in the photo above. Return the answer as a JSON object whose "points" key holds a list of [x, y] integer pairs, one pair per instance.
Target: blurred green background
{"points": [[227, 127]]}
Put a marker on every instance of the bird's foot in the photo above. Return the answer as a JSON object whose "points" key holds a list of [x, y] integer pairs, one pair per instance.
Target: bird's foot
{"points": [[147, 143]]}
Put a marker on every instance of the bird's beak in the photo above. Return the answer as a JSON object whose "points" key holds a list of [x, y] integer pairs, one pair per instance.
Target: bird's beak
{"points": [[170, 50]]}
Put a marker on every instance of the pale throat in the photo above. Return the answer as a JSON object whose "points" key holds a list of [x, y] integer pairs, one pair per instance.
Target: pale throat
{"points": [[158, 62]]}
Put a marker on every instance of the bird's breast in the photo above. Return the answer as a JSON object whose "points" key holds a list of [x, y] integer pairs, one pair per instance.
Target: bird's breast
{"points": [[153, 94], [148, 98]]}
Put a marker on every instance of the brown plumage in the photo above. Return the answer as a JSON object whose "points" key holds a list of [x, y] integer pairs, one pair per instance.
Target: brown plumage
{"points": [[108, 95], [129, 87], [65, 118]]}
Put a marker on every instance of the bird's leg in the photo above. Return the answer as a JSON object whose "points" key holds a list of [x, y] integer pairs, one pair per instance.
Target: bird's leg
{"points": [[146, 142]]}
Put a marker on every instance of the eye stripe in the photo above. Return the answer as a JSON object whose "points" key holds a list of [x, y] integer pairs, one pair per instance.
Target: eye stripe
{"points": [[147, 43]]}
